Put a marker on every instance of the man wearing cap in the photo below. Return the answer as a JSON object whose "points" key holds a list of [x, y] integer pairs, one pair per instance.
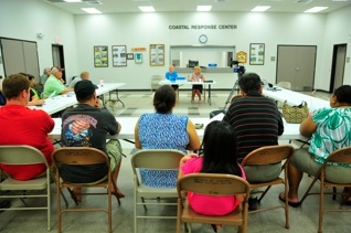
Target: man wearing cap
{"points": [[257, 123], [24, 126], [54, 84], [87, 125]]}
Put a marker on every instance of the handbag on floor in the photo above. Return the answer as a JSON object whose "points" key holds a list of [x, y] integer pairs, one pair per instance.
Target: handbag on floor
{"points": [[295, 114]]}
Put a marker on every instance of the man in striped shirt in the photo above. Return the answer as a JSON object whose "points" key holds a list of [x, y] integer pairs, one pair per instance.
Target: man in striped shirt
{"points": [[257, 123]]}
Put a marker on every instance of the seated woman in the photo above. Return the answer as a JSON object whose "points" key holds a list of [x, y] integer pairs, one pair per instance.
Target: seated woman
{"points": [[197, 89], [219, 156], [329, 129], [164, 130], [34, 98]]}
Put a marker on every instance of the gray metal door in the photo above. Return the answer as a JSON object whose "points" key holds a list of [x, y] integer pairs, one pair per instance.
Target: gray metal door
{"points": [[296, 64]]}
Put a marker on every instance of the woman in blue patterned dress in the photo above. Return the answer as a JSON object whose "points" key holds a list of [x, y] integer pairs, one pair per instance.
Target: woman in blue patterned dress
{"points": [[164, 130], [329, 129]]}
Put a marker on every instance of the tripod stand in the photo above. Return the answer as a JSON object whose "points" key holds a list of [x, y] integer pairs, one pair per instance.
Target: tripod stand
{"points": [[235, 88]]}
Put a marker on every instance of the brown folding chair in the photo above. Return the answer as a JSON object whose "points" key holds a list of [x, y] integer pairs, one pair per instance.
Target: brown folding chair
{"points": [[213, 185], [82, 156], [339, 156], [271, 155]]}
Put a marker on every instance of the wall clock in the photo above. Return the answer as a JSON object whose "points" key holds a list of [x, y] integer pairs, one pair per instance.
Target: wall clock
{"points": [[203, 38]]}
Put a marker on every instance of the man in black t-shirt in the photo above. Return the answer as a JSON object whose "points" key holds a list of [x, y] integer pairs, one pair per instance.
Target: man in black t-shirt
{"points": [[87, 125]]}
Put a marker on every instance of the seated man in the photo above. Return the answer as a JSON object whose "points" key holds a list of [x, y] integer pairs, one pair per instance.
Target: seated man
{"points": [[257, 123], [329, 129], [83, 76], [87, 125], [24, 126], [54, 84]]}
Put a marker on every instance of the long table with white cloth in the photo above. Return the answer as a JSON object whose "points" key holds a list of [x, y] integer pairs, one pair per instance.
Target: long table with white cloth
{"points": [[291, 131], [58, 103]]}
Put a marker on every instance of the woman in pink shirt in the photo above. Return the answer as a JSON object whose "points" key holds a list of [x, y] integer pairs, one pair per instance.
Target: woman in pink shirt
{"points": [[219, 156]]}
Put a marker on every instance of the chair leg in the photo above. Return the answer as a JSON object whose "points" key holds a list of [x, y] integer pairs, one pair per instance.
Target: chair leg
{"points": [[58, 200], [143, 201], [48, 200], [334, 193], [308, 190], [115, 194], [110, 210], [264, 193], [321, 208]]}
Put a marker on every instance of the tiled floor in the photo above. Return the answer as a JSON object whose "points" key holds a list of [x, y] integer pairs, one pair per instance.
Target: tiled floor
{"points": [[302, 220]]}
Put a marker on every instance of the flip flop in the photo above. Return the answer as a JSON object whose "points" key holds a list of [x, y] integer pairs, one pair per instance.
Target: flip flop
{"points": [[292, 204]]}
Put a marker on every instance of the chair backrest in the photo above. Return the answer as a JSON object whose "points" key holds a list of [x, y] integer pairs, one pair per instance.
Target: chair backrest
{"points": [[157, 159], [286, 85], [268, 155], [21, 155], [79, 156], [342, 155], [213, 184]]}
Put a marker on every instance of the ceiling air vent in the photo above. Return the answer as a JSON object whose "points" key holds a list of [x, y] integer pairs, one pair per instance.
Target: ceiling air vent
{"points": [[92, 2], [303, 1]]}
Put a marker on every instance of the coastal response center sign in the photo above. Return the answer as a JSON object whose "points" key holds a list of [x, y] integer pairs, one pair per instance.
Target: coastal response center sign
{"points": [[199, 27]]}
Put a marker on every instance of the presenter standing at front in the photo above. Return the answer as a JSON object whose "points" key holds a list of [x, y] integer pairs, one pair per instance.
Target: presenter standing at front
{"points": [[197, 89], [172, 76]]}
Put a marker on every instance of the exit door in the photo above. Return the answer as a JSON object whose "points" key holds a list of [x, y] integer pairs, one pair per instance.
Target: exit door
{"points": [[58, 59]]}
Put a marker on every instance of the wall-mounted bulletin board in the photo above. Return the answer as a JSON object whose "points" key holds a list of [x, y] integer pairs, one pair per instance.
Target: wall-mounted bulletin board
{"points": [[157, 55], [257, 54], [119, 55], [100, 56]]}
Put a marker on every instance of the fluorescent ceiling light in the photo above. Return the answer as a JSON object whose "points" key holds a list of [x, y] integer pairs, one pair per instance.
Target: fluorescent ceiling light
{"points": [[339, 0], [72, 0], [91, 10], [147, 8], [204, 8], [261, 8], [316, 9]]}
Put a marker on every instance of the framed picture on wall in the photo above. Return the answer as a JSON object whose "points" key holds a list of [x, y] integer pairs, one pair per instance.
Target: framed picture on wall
{"points": [[100, 56], [257, 54], [157, 55], [130, 56], [119, 55], [138, 58]]}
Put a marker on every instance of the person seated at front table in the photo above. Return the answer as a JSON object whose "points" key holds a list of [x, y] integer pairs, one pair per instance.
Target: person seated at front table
{"points": [[329, 129], [172, 76], [34, 98], [164, 130], [54, 84], [197, 89]]}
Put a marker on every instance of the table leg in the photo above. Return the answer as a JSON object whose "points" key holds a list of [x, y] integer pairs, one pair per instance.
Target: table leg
{"points": [[118, 99], [209, 94]]}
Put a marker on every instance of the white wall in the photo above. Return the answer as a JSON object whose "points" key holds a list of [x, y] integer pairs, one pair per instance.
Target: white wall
{"points": [[140, 30], [337, 31], [22, 19]]}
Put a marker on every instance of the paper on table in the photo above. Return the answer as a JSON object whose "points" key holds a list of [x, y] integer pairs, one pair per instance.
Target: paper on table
{"points": [[218, 117]]}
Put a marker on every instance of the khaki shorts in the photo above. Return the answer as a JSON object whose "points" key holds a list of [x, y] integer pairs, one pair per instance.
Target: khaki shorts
{"points": [[262, 173], [114, 152], [303, 161]]}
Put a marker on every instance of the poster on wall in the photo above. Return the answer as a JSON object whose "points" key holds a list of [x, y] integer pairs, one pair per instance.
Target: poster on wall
{"points": [[157, 54], [101, 56], [241, 57], [256, 54], [119, 55], [138, 58]]}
